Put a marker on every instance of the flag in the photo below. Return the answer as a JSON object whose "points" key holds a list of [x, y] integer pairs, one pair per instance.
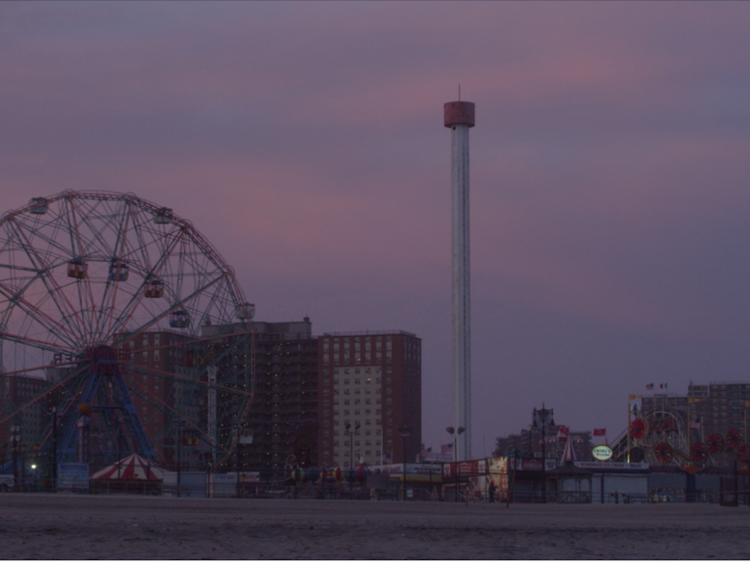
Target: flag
{"points": [[600, 432], [633, 396], [446, 449], [650, 386], [695, 423], [387, 459], [663, 385], [563, 431], [694, 400]]}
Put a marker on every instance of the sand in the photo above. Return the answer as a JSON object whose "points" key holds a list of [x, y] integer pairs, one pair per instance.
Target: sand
{"points": [[67, 526]]}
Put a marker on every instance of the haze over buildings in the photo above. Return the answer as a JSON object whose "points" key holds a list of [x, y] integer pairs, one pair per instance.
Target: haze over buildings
{"points": [[304, 140]]}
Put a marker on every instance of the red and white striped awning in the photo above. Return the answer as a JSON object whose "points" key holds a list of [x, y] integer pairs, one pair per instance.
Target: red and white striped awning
{"points": [[133, 467], [569, 454]]}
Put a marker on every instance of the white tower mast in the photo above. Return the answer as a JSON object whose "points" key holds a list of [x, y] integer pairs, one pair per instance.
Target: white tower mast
{"points": [[459, 117]]}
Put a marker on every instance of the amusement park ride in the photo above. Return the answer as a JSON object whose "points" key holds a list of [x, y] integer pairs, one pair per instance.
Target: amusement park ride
{"points": [[85, 279], [666, 437]]}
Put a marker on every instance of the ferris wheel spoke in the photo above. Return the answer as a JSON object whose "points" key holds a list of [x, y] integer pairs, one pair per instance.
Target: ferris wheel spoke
{"points": [[43, 394], [173, 308], [39, 367], [44, 274], [147, 393], [129, 309], [87, 294], [43, 320], [118, 250], [168, 375]]}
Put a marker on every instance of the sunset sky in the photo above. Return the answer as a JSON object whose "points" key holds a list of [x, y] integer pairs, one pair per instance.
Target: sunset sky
{"points": [[610, 168]]}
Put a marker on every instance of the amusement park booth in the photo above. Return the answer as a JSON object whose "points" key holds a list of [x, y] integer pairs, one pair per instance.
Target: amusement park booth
{"points": [[618, 482], [522, 479], [569, 484], [422, 481]]}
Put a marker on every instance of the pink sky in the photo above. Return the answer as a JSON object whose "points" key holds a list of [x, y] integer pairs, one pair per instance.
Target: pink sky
{"points": [[305, 140]]}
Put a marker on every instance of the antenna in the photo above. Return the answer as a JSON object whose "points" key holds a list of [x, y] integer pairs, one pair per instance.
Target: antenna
{"points": [[459, 92]]}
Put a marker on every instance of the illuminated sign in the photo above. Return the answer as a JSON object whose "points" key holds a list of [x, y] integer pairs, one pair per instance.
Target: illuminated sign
{"points": [[601, 453]]}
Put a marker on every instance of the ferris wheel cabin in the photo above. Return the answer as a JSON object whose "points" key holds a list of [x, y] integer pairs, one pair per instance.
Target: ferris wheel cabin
{"points": [[118, 271], [76, 269], [245, 311], [163, 216], [179, 319], [39, 206], [155, 290]]}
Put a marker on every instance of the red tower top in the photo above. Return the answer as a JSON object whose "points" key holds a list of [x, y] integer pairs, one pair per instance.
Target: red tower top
{"points": [[459, 113]]}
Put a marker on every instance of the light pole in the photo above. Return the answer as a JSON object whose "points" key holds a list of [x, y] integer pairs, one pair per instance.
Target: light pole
{"points": [[33, 471], [541, 419], [351, 435], [403, 430], [179, 457], [246, 438], [15, 438], [54, 448], [455, 433]]}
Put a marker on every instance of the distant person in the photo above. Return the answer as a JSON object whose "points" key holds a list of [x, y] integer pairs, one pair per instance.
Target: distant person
{"points": [[493, 488]]}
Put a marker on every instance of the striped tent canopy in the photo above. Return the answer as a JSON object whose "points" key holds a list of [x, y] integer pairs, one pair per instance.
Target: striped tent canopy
{"points": [[569, 454], [133, 467]]}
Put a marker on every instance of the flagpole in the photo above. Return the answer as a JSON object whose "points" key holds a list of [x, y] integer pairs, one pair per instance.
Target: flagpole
{"points": [[688, 431], [628, 428]]}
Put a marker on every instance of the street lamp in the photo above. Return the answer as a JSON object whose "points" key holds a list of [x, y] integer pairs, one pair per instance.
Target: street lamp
{"points": [[351, 435], [541, 419], [33, 471], [54, 448], [15, 438], [403, 430], [455, 433]]}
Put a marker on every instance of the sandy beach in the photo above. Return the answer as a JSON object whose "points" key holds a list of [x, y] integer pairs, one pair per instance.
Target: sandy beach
{"points": [[66, 526]]}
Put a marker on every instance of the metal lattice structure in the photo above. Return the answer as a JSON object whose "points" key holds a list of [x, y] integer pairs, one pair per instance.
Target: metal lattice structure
{"points": [[119, 303]]}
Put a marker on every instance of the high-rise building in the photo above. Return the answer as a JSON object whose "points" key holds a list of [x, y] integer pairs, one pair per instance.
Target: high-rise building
{"points": [[725, 408], [284, 411], [18, 391], [369, 398]]}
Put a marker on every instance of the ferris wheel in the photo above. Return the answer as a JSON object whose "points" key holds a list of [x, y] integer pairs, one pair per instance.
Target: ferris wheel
{"points": [[125, 317]]}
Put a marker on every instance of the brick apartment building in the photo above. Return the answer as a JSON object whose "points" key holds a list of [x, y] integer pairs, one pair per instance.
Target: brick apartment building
{"points": [[284, 412], [18, 390], [369, 390]]}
